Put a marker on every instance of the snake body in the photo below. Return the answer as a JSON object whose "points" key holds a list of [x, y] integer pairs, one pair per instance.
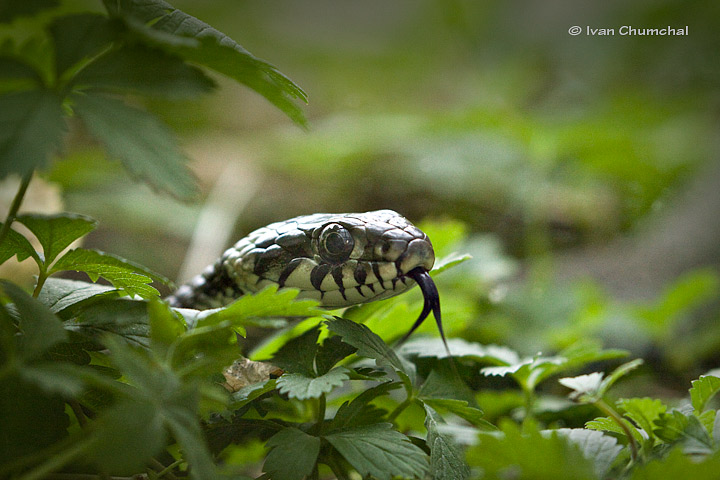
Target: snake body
{"points": [[337, 259]]}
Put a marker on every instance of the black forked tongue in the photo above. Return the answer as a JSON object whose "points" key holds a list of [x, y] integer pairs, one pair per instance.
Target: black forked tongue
{"points": [[432, 304]]}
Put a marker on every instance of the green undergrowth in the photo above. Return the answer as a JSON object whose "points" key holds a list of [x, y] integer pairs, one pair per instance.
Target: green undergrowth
{"points": [[102, 379]]}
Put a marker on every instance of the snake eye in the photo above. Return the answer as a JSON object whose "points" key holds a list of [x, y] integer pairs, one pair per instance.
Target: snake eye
{"points": [[336, 243]]}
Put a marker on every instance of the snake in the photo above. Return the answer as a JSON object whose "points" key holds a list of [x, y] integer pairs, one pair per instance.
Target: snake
{"points": [[337, 259]]}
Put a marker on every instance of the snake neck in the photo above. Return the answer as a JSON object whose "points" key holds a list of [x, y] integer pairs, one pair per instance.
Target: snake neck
{"points": [[214, 288]]}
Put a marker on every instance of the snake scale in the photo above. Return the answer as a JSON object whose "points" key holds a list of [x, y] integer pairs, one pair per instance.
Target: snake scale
{"points": [[337, 259]]}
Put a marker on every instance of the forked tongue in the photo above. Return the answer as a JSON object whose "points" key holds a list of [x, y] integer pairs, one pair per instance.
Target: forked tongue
{"points": [[432, 304]]}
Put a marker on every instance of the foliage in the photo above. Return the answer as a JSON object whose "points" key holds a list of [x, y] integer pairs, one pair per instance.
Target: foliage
{"points": [[105, 379]]}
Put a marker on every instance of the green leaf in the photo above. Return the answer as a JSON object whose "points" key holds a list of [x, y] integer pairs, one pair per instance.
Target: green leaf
{"points": [[59, 294], [449, 261], [31, 127], [165, 325], [530, 455], [56, 232], [16, 69], [31, 420], [353, 413], [126, 437], [293, 455], [182, 421], [643, 411], [368, 344], [675, 426], [600, 449], [298, 354], [16, 244], [588, 384], [607, 424], [144, 70], [446, 459], [433, 347], [122, 317], [296, 385], [39, 328], [332, 350], [219, 52], [80, 36], [249, 393], [461, 409], [124, 275], [677, 465], [143, 144], [380, 452], [703, 389], [10, 10]]}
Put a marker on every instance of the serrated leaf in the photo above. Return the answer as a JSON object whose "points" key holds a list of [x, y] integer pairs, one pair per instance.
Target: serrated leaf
{"points": [[298, 354], [368, 344], [359, 406], [39, 328], [16, 244], [144, 70], [80, 36], [269, 302], [446, 459], [703, 389], [607, 424], [59, 294], [296, 385], [250, 392], [332, 350], [643, 411], [126, 276], [56, 232], [125, 318], [144, 145], [31, 128], [678, 465], [461, 409], [293, 454], [380, 452], [219, 52], [596, 447], [433, 347]]}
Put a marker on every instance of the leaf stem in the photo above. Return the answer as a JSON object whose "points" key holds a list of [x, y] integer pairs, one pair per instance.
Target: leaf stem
{"points": [[15, 206], [42, 276], [608, 410], [321, 407]]}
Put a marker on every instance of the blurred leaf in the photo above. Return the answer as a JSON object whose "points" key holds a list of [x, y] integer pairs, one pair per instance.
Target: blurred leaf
{"points": [[57, 232], [446, 459], [144, 145], [144, 70], [59, 294], [125, 318], [293, 454], [433, 347], [249, 393], [39, 328], [461, 409], [31, 128], [296, 385], [124, 275], [703, 389], [218, 52], [126, 437], [529, 456], [19, 8], [16, 244], [592, 387], [676, 465], [165, 325], [676, 426], [16, 69], [380, 452], [24, 430], [600, 449], [80, 36]]}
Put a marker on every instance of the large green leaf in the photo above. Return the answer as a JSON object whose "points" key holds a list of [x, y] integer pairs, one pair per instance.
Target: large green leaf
{"points": [[57, 232], [217, 51], [298, 354], [143, 144], [368, 344], [16, 244], [293, 454], [124, 275], [296, 385], [379, 451], [18, 8], [446, 459], [31, 127], [59, 294], [80, 36], [703, 389], [145, 70]]}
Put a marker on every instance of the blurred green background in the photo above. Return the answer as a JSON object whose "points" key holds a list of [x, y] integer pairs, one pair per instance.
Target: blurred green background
{"points": [[580, 171]]}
